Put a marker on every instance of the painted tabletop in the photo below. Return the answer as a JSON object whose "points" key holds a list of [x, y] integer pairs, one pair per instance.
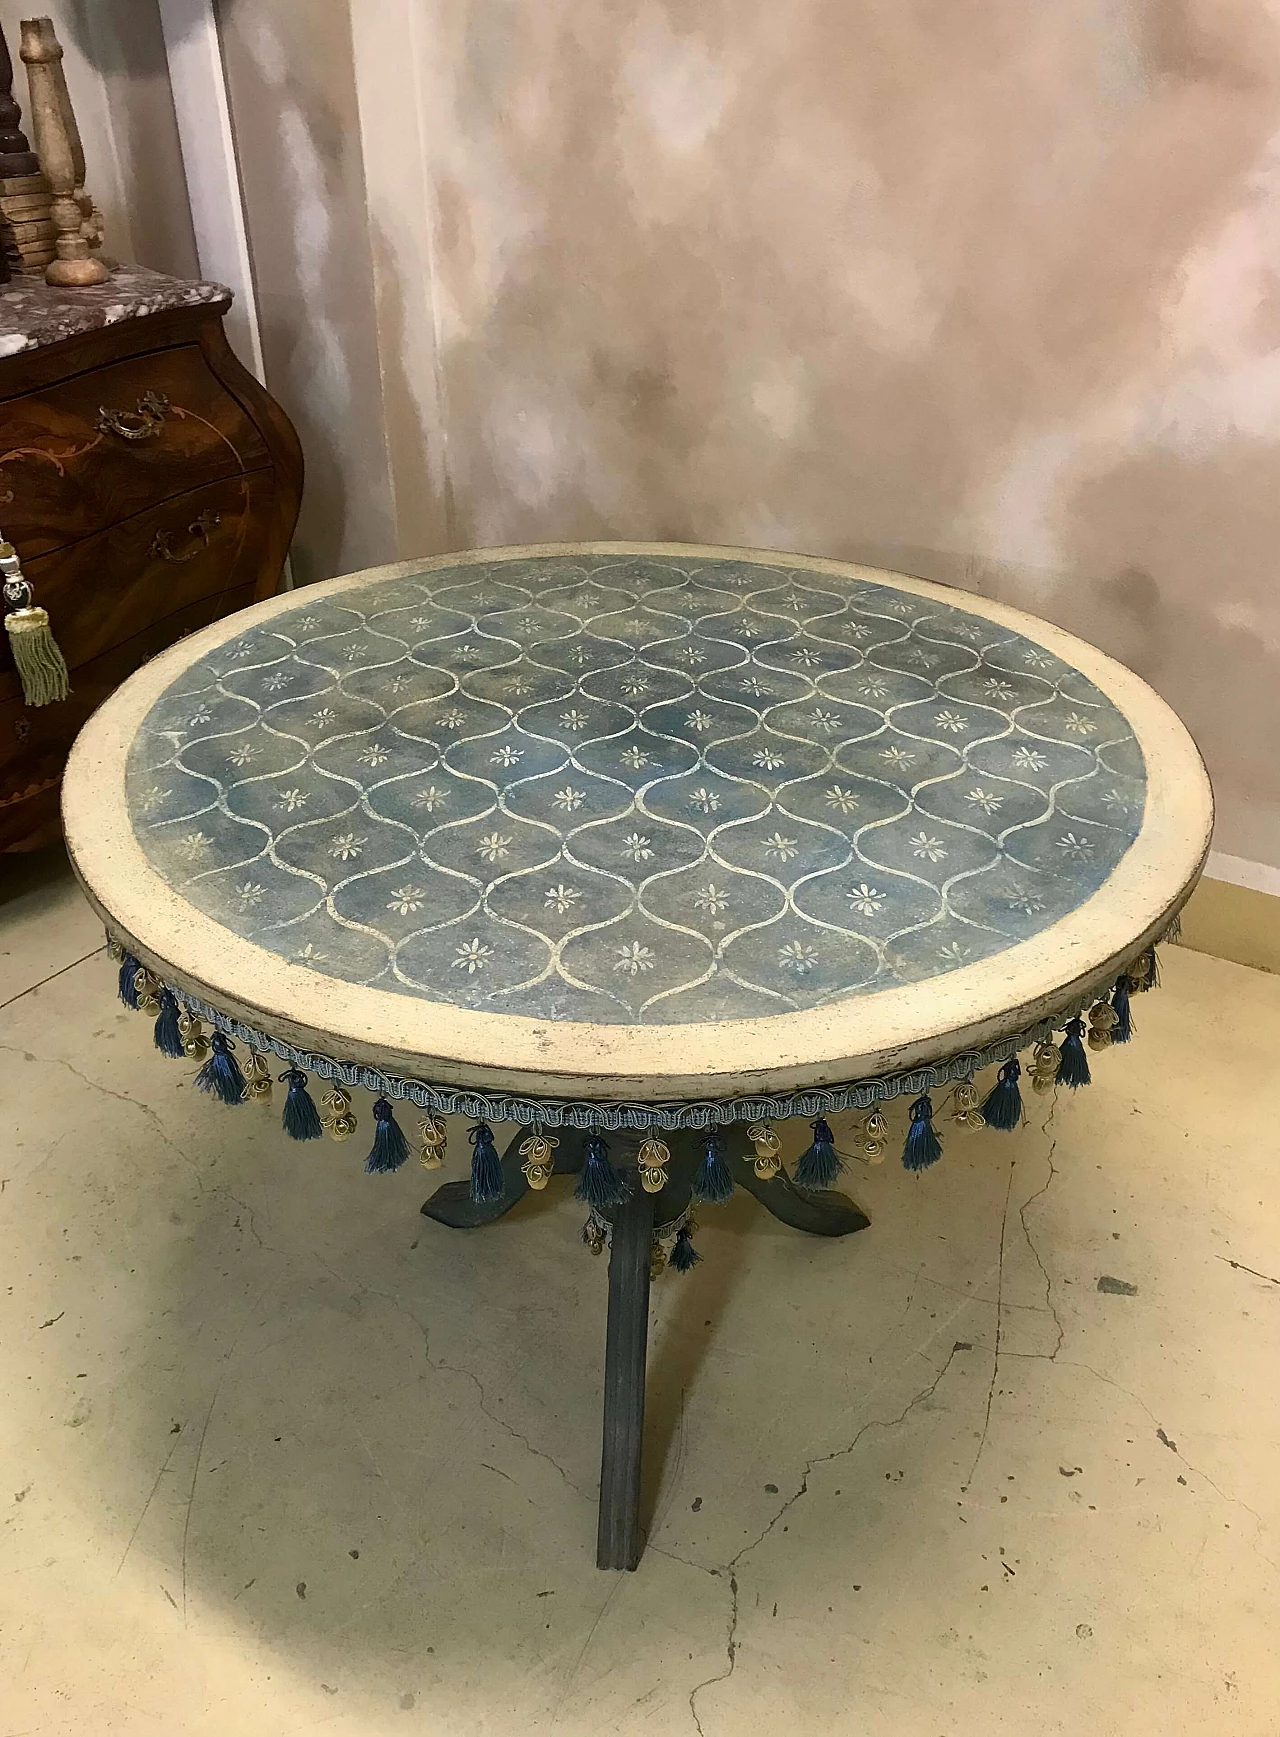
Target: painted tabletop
{"points": [[641, 787]]}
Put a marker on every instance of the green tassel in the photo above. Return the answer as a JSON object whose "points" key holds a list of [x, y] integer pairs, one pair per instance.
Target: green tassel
{"points": [[41, 665]]}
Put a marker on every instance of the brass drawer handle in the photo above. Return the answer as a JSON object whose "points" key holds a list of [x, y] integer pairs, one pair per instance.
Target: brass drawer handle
{"points": [[140, 424], [202, 530]]}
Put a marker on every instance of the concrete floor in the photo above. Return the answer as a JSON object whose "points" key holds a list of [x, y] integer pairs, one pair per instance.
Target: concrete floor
{"points": [[281, 1456]]}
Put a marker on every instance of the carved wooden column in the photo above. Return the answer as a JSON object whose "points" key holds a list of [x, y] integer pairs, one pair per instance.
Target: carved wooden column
{"points": [[75, 266]]}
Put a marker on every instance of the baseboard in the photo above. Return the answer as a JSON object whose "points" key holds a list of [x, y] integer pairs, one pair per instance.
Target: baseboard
{"points": [[1235, 918]]}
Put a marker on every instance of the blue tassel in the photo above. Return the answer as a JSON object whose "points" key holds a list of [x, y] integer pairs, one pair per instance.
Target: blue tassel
{"points": [[1073, 1063], [714, 1181], [819, 1164], [599, 1184], [221, 1073], [1122, 1030], [300, 1119], [486, 1166], [129, 969], [683, 1254], [168, 1037], [1003, 1108], [390, 1148], [923, 1146]]}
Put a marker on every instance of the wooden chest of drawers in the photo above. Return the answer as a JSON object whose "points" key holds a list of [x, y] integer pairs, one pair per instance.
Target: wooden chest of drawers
{"points": [[149, 485]]}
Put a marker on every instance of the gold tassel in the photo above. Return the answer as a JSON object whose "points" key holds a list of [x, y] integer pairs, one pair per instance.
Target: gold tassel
{"points": [[258, 1079], [433, 1137], [339, 1124], [538, 1152], [768, 1159], [652, 1161], [41, 665]]}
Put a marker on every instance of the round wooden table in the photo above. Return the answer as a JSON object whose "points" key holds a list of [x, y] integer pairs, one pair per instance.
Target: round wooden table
{"points": [[642, 848]]}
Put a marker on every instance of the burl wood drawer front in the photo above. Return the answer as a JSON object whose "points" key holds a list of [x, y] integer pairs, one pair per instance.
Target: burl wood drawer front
{"points": [[94, 449], [34, 744], [106, 589]]}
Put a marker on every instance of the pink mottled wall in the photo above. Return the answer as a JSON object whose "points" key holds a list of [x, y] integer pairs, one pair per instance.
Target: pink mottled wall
{"points": [[987, 292]]}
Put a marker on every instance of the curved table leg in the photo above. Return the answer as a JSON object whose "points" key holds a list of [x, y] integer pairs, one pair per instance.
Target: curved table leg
{"points": [[820, 1211], [452, 1204]]}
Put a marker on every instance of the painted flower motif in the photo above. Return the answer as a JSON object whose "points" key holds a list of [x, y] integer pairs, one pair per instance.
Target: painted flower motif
{"points": [[932, 849], [527, 624], [711, 898], [323, 718], [706, 801], [472, 956], [201, 716], [922, 659], [406, 899], [636, 848], [580, 655], [954, 954], [873, 688], [1076, 849], [469, 654], [573, 719], [250, 893], [374, 755], [400, 682], [350, 653], [194, 845], [292, 800], [152, 797], [897, 608], [783, 848], [634, 757], [590, 600], [753, 685], [1036, 659], [699, 720], [1029, 760], [451, 720], [347, 846], [241, 754], [897, 756], [1030, 904], [493, 847], [569, 799], [806, 656], [967, 630], [997, 689], [634, 958], [506, 756], [1114, 800], [561, 897], [857, 630], [691, 654], [845, 800], [986, 800], [954, 722], [796, 956], [768, 759], [520, 686], [307, 622], [1077, 724], [420, 622], [278, 679], [634, 684], [793, 600], [311, 954], [866, 900], [431, 798], [825, 721]]}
